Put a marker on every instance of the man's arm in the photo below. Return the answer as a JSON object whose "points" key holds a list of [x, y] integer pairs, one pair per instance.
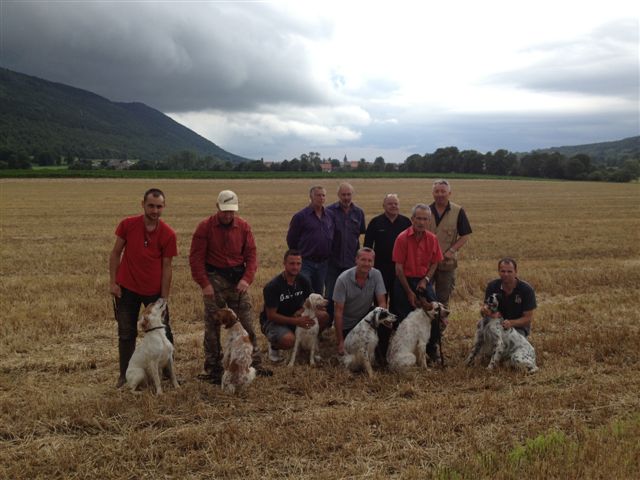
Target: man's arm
{"points": [[523, 322], [293, 235], [369, 235], [250, 261], [167, 273], [338, 312], [197, 260], [381, 300], [114, 263], [453, 249]]}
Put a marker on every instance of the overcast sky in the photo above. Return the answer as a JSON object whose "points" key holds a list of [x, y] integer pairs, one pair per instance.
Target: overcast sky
{"points": [[389, 78]]}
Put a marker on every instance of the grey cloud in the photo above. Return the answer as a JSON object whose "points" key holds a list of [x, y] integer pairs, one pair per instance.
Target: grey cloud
{"points": [[514, 132], [602, 63], [175, 57]]}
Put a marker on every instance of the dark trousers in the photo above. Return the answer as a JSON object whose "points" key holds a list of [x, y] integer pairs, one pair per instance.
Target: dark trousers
{"points": [[127, 313], [402, 308]]}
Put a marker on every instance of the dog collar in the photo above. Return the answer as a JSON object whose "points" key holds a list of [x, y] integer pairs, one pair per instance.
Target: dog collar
{"points": [[154, 328]]}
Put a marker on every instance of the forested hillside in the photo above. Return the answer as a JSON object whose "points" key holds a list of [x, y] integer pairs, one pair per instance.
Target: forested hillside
{"points": [[38, 116]]}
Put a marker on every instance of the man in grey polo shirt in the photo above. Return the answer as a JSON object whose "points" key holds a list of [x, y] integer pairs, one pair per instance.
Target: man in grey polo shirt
{"points": [[354, 294]]}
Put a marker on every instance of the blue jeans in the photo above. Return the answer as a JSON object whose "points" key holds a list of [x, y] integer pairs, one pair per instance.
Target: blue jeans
{"points": [[316, 273]]}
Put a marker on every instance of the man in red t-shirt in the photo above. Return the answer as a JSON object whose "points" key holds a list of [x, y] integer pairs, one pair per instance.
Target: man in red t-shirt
{"points": [[223, 260], [140, 271], [416, 254]]}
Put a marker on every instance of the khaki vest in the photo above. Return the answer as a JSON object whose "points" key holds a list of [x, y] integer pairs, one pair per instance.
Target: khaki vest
{"points": [[447, 233]]}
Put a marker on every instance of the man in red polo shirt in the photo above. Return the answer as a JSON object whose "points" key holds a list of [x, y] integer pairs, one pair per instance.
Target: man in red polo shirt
{"points": [[140, 271], [416, 254], [223, 262]]}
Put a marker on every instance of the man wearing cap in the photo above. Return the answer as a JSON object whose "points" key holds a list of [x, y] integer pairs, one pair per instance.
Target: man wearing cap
{"points": [[450, 224], [311, 232], [223, 262], [140, 271]]}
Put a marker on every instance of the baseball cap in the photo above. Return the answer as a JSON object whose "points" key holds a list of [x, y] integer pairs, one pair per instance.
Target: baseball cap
{"points": [[227, 201]]}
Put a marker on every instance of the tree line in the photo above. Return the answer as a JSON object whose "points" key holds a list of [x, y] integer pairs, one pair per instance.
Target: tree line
{"points": [[444, 161]]}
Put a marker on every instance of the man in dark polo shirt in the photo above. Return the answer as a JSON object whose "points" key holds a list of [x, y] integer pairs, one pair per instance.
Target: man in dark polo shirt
{"points": [[284, 297], [311, 232], [381, 235], [517, 299]]}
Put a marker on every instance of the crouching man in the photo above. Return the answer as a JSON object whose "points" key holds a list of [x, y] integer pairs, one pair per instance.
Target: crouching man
{"points": [[284, 297], [517, 299]]}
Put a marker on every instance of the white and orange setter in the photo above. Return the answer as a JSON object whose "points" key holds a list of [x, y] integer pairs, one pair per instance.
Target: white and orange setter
{"points": [[236, 362]]}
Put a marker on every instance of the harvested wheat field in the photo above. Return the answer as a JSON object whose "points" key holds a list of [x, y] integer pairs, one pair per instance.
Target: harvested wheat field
{"points": [[578, 417]]}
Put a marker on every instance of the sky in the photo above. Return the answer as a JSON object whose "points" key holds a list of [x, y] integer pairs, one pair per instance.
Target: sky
{"points": [[274, 80]]}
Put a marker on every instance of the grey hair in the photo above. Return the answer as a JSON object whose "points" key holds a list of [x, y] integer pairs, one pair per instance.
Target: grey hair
{"points": [[442, 181], [420, 206]]}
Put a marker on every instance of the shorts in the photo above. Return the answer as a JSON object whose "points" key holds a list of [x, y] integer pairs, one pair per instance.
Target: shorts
{"points": [[274, 331]]}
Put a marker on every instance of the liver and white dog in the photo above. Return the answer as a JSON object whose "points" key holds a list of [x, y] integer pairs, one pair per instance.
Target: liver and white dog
{"points": [[500, 345], [408, 345], [154, 352], [236, 362], [361, 343], [307, 338]]}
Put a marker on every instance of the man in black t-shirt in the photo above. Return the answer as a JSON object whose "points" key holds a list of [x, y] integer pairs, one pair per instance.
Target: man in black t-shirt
{"points": [[517, 299], [284, 297]]}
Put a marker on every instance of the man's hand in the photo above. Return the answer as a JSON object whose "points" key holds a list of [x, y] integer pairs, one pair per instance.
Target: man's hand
{"points": [[242, 286], [207, 292], [412, 298], [449, 254], [305, 322], [485, 311], [422, 284], [116, 291], [507, 324]]}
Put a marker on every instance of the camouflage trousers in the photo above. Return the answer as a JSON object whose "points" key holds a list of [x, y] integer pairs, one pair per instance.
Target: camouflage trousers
{"points": [[225, 296]]}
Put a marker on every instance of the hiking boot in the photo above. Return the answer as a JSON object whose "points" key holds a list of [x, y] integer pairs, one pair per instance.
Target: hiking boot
{"points": [[121, 381], [211, 377], [262, 372], [275, 355]]}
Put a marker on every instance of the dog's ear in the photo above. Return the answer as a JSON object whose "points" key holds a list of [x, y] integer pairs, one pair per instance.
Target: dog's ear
{"points": [[143, 323], [307, 304]]}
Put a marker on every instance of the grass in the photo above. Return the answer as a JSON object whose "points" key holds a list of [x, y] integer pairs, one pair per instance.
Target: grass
{"points": [[578, 417]]}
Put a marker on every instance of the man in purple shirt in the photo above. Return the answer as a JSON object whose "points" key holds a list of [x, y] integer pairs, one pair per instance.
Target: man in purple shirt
{"points": [[349, 223], [311, 232]]}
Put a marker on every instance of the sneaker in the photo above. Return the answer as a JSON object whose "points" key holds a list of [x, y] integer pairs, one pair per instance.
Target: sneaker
{"points": [[275, 355]]}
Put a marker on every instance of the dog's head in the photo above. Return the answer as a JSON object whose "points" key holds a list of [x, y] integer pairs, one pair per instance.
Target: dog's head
{"points": [[225, 316], [437, 311], [493, 301], [153, 315], [315, 302], [380, 316]]}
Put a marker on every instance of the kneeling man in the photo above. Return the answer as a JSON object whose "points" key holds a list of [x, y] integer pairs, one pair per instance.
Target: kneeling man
{"points": [[517, 299], [354, 294], [284, 297]]}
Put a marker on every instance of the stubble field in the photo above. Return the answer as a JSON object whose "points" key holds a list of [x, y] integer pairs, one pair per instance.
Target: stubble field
{"points": [[578, 417]]}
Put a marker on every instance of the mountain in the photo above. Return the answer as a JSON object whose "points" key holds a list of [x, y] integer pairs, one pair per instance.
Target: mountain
{"points": [[41, 116], [612, 153]]}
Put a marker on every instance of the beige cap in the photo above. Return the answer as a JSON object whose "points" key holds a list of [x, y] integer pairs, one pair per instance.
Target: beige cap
{"points": [[227, 201]]}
